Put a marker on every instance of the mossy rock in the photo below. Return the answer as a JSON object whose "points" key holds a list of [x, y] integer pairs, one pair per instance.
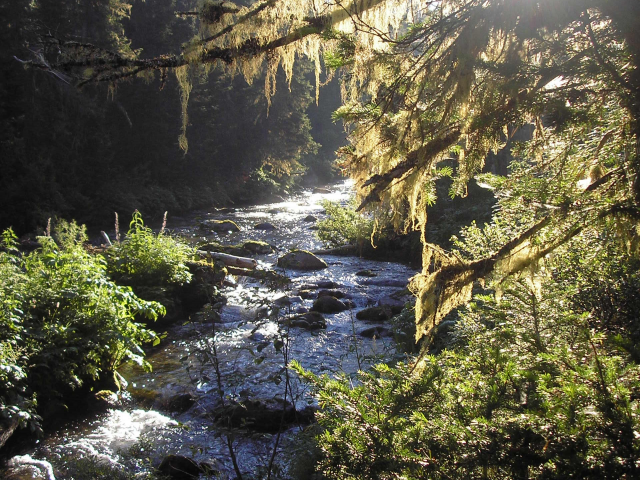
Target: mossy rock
{"points": [[257, 247], [222, 226], [301, 260]]}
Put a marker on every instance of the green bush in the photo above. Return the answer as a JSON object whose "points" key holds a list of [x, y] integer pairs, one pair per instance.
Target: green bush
{"points": [[344, 226], [147, 259], [63, 323], [542, 382]]}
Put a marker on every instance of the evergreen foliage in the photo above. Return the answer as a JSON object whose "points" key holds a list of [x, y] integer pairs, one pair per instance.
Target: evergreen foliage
{"points": [[542, 382], [344, 226]]}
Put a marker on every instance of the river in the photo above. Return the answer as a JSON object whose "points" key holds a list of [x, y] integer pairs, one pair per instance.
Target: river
{"points": [[172, 409]]}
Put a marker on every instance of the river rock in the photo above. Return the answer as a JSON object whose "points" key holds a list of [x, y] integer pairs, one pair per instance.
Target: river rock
{"points": [[180, 403], [328, 304], [308, 321], [178, 467], [222, 226], [396, 300], [321, 190], [331, 293], [265, 226], [308, 294], [366, 273], [375, 314], [286, 301], [264, 416], [257, 247], [301, 260], [377, 332], [310, 218]]}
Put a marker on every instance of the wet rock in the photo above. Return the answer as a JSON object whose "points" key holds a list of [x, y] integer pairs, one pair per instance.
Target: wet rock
{"points": [[327, 284], [396, 300], [308, 294], [286, 301], [375, 314], [310, 218], [366, 273], [256, 247], [222, 226], [302, 310], [328, 305], [301, 260], [274, 211], [331, 293], [181, 402], [178, 467], [321, 190], [265, 226], [308, 321], [377, 332], [264, 416]]}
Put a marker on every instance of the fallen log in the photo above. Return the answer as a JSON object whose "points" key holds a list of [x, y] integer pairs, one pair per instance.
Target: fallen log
{"points": [[230, 260]]}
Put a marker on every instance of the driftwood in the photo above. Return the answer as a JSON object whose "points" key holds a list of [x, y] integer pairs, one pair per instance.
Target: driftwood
{"points": [[230, 260]]}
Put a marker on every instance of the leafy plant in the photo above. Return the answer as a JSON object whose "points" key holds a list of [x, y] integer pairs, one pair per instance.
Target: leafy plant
{"points": [[63, 323], [147, 259]]}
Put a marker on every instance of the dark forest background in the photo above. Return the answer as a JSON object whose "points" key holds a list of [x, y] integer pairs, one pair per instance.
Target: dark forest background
{"points": [[86, 153]]}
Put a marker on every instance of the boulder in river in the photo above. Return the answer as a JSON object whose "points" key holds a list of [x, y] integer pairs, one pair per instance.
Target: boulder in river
{"points": [[366, 273], [308, 321], [375, 314], [328, 304], [321, 190], [266, 416], [301, 260], [222, 226], [310, 218], [377, 332], [257, 247], [265, 226], [178, 467], [331, 293]]}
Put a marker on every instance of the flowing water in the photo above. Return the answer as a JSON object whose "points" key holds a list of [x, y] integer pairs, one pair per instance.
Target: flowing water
{"points": [[149, 421]]}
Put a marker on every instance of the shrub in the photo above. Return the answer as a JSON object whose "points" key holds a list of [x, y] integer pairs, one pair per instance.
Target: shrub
{"points": [[147, 259], [63, 323], [344, 226]]}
